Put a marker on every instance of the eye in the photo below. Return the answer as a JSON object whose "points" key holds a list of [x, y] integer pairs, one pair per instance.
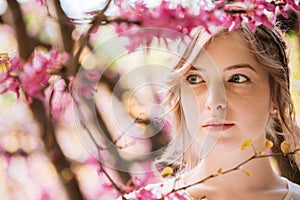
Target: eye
{"points": [[238, 78], [194, 79]]}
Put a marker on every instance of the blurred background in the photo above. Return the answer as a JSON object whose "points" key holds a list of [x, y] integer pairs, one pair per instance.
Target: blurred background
{"points": [[46, 161]]}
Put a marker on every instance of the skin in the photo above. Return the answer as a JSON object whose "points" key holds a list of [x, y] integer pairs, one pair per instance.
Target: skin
{"points": [[232, 95]]}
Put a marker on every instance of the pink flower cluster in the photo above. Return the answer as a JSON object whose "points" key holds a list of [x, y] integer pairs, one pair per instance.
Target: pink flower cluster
{"points": [[257, 12], [148, 195], [155, 192], [8, 74], [206, 13], [33, 76]]}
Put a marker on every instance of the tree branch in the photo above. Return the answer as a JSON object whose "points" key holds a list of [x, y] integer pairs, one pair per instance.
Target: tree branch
{"points": [[66, 29], [26, 44], [237, 167]]}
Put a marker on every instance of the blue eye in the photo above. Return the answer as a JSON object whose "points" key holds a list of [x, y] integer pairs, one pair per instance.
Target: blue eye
{"points": [[194, 79], [238, 78]]}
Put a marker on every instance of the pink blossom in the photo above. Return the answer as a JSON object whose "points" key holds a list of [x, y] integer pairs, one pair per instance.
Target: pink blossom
{"points": [[235, 23], [155, 194], [57, 97], [84, 85], [11, 84], [137, 182], [294, 4], [33, 76], [8, 75], [15, 64], [283, 11], [144, 194], [45, 196], [176, 196], [251, 23], [207, 13]]}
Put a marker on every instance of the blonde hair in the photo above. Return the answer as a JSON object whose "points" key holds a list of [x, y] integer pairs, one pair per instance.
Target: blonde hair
{"points": [[269, 49]]}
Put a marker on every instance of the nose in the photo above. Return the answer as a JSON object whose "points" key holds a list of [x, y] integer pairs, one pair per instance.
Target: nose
{"points": [[216, 100]]}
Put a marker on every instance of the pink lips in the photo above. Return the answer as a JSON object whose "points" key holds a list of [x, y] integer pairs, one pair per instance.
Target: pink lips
{"points": [[217, 124]]}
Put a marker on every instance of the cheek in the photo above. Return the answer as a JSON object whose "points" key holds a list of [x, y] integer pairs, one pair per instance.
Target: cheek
{"points": [[189, 103], [253, 109]]}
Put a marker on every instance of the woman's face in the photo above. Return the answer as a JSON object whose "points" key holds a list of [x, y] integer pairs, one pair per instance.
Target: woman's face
{"points": [[225, 96]]}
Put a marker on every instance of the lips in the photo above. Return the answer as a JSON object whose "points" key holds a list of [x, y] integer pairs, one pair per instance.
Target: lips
{"points": [[217, 124]]}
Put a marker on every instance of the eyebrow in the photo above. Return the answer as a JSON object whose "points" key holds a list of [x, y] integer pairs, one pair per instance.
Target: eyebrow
{"points": [[239, 66], [233, 67], [195, 68]]}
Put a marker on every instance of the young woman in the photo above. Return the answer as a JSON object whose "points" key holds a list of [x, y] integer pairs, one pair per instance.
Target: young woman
{"points": [[229, 87]]}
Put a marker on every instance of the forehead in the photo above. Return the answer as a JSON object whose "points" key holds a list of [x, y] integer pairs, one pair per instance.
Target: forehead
{"points": [[223, 51]]}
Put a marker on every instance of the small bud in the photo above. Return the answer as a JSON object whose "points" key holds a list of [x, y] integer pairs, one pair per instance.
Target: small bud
{"points": [[285, 146], [220, 171], [262, 153], [246, 144], [167, 171], [268, 144]]}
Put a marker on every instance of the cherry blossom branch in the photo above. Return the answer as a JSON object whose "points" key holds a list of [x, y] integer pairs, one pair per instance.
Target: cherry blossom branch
{"points": [[237, 167]]}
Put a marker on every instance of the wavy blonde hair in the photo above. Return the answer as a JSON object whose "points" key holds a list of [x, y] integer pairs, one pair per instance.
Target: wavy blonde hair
{"points": [[269, 49]]}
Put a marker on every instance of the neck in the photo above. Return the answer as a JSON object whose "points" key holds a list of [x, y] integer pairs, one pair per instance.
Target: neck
{"points": [[253, 175]]}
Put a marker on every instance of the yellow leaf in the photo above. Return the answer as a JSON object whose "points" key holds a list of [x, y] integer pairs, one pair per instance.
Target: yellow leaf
{"points": [[248, 173], [247, 143], [167, 171], [220, 171], [269, 144], [285, 146]]}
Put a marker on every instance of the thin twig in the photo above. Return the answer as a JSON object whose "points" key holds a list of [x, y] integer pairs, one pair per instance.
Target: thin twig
{"points": [[237, 167], [95, 22], [108, 176], [99, 149]]}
